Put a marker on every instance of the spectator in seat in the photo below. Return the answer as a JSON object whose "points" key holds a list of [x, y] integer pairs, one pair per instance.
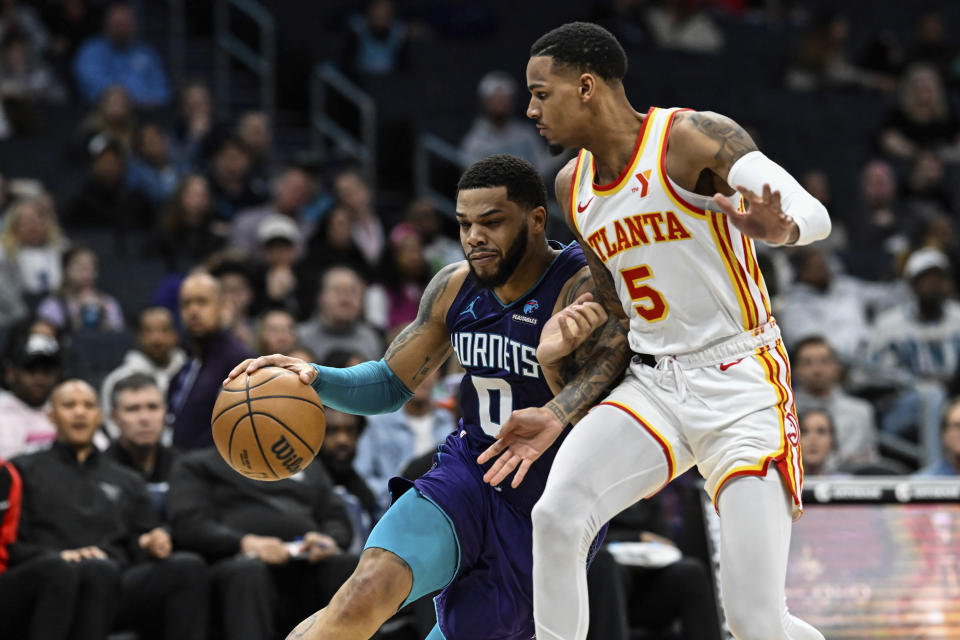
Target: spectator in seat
{"points": [[152, 169], [337, 455], [440, 249], [276, 333], [820, 297], [498, 129], [920, 338], [114, 117], [880, 229], [238, 285], [229, 178], [36, 596], [819, 439], [98, 515], [79, 305], [292, 191], [104, 201], [275, 547], [214, 352], [330, 244], [254, 130], [338, 322], [816, 376], [32, 366], [279, 283], [949, 462], [189, 233], [138, 410], [392, 440], [366, 228], [25, 81], [404, 274], [157, 355], [118, 57], [923, 119], [31, 248], [197, 130], [376, 41]]}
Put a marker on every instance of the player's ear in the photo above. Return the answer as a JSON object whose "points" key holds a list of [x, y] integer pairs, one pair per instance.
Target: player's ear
{"points": [[538, 220], [588, 86]]}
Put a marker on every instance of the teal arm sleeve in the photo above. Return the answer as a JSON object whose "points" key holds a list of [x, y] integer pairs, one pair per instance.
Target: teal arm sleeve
{"points": [[365, 389]]}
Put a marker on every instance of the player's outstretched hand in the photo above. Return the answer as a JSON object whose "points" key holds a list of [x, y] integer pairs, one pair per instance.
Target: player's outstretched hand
{"points": [[764, 218], [568, 328], [300, 367], [523, 438]]}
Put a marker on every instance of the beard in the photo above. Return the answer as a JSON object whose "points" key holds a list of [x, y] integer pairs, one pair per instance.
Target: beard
{"points": [[508, 264]]}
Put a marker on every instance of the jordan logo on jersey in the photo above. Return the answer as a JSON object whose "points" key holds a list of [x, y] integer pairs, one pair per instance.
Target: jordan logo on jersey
{"points": [[469, 308], [644, 228]]}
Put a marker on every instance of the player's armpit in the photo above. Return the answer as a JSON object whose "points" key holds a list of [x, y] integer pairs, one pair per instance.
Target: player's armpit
{"points": [[424, 344]]}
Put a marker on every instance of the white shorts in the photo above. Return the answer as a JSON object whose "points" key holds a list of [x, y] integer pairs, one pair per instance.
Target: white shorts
{"points": [[729, 409]]}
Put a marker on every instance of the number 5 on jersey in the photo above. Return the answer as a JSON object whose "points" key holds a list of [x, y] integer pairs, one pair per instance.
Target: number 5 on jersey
{"points": [[654, 308]]}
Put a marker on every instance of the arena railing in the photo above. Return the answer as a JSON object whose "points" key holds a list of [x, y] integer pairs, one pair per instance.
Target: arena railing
{"points": [[431, 149], [326, 132], [260, 61]]}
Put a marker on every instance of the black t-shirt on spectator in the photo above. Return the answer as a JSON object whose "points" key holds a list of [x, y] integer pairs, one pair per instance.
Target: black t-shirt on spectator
{"points": [[930, 135], [69, 504]]}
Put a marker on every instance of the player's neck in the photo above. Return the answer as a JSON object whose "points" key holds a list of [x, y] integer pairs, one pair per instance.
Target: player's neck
{"points": [[613, 138], [528, 272]]}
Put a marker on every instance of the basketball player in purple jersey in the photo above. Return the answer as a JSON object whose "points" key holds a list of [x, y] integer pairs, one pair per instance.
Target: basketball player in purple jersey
{"points": [[452, 531]]}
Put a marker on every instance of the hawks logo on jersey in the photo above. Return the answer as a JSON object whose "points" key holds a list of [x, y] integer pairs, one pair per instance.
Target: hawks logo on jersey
{"points": [[644, 228]]}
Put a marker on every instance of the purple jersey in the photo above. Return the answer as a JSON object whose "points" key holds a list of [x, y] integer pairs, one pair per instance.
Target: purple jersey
{"points": [[491, 595]]}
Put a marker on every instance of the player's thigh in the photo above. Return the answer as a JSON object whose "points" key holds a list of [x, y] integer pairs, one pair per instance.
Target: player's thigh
{"points": [[412, 551], [745, 423], [625, 449]]}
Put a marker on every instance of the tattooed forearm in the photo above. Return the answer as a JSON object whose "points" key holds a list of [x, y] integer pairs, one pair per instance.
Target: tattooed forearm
{"points": [[734, 141], [591, 371]]}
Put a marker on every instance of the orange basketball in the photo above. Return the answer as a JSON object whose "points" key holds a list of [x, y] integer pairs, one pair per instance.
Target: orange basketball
{"points": [[268, 425]]}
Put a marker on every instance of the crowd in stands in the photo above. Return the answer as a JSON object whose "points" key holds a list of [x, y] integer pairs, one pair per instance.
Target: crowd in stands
{"points": [[118, 515]]}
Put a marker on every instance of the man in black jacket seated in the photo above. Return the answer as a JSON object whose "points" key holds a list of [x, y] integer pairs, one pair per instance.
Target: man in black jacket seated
{"points": [[276, 547], [97, 514]]}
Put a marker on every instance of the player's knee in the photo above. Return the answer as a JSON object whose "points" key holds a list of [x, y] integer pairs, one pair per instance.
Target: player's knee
{"points": [[554, 520], [382, 581]]}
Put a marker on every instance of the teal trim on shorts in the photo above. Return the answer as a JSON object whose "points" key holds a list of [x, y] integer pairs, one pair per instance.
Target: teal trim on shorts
{"points": [[417, 530], [435, 633]]}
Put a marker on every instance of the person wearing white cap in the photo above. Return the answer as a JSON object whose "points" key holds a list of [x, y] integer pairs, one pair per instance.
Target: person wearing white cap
{"points": [[922, 339], [279, 238]]}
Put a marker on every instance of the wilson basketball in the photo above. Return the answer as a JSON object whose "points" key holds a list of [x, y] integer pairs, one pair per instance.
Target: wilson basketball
{"points": [[268, 425]]}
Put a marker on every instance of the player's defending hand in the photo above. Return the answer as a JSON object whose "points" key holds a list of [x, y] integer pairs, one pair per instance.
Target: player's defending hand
{"points": [[764, 218], [300, 367], [523, 438], [568, 328]]}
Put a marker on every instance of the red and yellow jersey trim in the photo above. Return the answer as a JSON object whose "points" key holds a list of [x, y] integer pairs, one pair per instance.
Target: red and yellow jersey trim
{"points": [[624, 177], [787, 457], [667, 449], [721, 239], [575, 188], [677, 199]]}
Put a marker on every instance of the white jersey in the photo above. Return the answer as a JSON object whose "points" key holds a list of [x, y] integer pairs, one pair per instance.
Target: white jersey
{"points": [[685, 276]]}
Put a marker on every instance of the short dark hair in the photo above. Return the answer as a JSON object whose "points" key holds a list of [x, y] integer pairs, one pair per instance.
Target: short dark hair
{"points": [[803, 343], [133, 382], [584, 46], [524, 184]]}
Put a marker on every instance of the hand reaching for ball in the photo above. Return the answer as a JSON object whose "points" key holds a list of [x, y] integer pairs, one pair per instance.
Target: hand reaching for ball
{"points": [[303, 369]]}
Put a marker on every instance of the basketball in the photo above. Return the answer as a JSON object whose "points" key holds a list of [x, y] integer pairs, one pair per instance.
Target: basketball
{"points": [[268, 425]]}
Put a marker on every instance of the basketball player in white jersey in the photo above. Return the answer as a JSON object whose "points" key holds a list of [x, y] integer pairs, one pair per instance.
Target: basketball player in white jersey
{"points": [[667, 205]]}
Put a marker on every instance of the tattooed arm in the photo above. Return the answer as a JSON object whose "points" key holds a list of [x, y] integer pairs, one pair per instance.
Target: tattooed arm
{"points": [[424, 344]]}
